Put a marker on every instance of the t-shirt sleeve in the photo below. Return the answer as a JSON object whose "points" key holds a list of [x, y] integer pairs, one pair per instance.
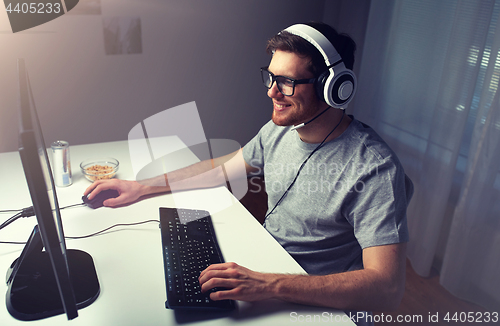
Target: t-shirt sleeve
{"points": [[253, 151], [377, 207]]}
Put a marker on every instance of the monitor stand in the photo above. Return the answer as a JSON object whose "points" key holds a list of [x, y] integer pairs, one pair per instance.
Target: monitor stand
{"points": [[32, 287]]}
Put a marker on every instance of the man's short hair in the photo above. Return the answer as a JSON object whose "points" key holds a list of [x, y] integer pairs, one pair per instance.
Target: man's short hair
{"points": [[288, 42]]}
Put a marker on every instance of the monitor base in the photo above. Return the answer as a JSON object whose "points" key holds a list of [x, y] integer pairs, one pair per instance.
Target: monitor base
{"points": [[32, 287]]}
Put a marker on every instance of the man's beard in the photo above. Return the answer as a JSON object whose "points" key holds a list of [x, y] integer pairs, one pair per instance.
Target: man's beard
{"points": [[294, 118]]}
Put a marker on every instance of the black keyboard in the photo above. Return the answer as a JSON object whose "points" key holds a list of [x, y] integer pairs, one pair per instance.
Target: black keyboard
{"points": [[189, 246]]}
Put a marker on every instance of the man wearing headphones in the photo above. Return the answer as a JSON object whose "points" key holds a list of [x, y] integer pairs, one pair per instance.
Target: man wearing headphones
{"points": [[337, 194]]}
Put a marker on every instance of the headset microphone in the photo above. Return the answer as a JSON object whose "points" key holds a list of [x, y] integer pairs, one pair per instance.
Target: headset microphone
{"points": [[304, 123], [297, 126]]}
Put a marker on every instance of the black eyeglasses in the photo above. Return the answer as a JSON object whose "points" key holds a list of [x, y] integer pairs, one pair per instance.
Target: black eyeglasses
{"points": [[285, 85]]}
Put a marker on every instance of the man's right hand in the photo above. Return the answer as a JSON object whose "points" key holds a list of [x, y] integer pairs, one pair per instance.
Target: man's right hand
{"points": [[129, 191]]}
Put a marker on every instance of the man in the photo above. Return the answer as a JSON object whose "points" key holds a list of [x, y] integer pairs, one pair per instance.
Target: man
{"points": [[337, 193]]}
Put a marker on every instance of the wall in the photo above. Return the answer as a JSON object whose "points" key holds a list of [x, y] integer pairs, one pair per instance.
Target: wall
{"points": [[208, 51]]}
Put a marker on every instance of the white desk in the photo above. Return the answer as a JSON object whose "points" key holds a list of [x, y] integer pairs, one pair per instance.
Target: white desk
{"points": [[129, 259]]}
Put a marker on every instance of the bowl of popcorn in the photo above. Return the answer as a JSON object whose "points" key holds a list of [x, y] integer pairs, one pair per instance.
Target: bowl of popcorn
{"points": [[99, 169]]}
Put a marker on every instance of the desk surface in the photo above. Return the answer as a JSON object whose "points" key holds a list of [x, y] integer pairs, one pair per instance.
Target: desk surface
{"points": [[128, 259]]}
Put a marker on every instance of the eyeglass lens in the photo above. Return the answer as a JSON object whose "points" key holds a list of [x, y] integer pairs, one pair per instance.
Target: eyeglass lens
{"points": [[285, 85]]}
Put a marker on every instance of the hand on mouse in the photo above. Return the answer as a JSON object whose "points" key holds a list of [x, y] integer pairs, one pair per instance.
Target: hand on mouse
{"points": [[129, 191]]}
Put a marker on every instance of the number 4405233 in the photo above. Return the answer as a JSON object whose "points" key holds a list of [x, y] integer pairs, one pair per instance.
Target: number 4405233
{"points": [[472, 317], [34, 8]]}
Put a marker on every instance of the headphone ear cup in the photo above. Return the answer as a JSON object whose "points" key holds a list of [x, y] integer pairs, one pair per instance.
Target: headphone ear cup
{"points": [[339, 88], [319, 85]]}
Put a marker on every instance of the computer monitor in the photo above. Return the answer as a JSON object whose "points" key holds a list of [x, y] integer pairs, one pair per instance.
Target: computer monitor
{"points": [[47, 279]]}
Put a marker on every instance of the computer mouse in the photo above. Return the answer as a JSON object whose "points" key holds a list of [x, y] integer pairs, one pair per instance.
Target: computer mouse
{"points": [[99, 199]]}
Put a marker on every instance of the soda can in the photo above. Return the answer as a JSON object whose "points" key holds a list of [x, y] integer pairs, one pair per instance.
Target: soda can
{"points": [[61, 163]]}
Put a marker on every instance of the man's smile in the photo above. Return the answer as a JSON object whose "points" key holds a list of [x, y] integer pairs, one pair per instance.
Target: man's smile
{"points": [[281, 106]]}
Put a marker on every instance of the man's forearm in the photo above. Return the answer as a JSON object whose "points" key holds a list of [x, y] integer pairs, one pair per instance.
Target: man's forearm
{"points": [[199, 175], [204, 174], [356, 290], [379, 286]]}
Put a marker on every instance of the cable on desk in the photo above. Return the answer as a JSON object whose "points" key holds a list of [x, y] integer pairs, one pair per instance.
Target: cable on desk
{"points": [[92, 234], [74, 205], [31, 207], [111, 227], [12, 242], [10, 210], [26, 212]]}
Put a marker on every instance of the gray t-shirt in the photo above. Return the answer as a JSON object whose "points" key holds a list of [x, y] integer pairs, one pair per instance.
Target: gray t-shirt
{"points": [[351, 194]]}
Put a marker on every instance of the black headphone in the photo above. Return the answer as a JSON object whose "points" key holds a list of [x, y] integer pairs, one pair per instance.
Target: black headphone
{"points": [[336, 85]]}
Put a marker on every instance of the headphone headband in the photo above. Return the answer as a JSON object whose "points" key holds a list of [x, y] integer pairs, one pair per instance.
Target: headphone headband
{"points": [[319, 41]]}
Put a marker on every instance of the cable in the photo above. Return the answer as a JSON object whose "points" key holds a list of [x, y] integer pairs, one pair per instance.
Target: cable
{"points": [[10, 220], [12, 242], [30, 211], [111, 227], [10, 210], [304, 163], [74, 205], [31, 207], [305, 123], [92, 234], [26, 212]]}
